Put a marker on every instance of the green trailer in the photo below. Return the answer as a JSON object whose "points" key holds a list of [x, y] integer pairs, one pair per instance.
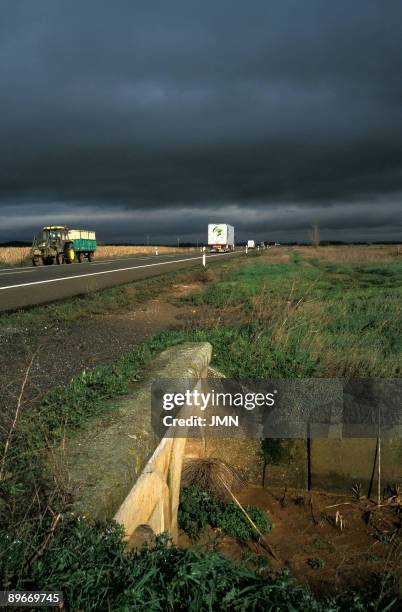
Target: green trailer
{"points": [[60, 244]]}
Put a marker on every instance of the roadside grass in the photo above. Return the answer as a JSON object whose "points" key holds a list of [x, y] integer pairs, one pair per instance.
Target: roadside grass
{"points": [[115, 299], [298, 321], [67, 408], [64, 410], [308, 319], [105, 576], [108, 300], [242, 352], [303, 331]]}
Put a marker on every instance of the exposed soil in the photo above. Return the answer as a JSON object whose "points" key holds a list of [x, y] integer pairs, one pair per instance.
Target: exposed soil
{"points": [[305, 534]]}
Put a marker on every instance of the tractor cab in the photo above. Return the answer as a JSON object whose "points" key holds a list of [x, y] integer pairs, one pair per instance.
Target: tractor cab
{"points": [[50, 235], [47, 248], [53, 233]]}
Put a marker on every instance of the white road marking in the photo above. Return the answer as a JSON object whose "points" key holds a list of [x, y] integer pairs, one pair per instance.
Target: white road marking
{"points": [[93, 263], [4, 273], [104, 261], [160, 263], [21, 268]]}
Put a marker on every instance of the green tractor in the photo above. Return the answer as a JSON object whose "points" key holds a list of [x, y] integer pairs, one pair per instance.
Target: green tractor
{"points": [[59, 244]]}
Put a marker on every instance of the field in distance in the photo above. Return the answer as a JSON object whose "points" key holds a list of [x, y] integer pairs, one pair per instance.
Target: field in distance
{"points": [[13, 256]]}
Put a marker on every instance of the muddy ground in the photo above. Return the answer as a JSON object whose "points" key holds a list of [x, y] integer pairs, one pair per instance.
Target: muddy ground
{"points": [[329, 541]]}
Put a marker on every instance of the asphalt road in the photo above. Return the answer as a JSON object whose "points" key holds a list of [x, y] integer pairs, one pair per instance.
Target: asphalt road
{"points": [[27, 286]]}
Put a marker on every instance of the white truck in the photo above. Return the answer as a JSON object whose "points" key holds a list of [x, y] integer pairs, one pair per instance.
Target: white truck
{"points": [[251, 244], [220, 237]]}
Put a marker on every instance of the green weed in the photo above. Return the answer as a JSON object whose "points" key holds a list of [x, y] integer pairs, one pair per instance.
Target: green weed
{"points": [[316, 562], [198, 509], [104, 576]]}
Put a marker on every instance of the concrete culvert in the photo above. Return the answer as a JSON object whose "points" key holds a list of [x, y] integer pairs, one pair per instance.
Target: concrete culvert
{"points": [[143, 534]]}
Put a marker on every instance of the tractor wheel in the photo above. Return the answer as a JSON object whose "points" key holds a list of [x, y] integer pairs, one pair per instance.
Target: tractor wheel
{"points": [[49, 261], [37, 260], [90, 256], [69, 253], [80, 257]]}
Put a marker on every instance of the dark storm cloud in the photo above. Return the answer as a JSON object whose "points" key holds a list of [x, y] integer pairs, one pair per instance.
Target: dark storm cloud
{"points": [[274, 112]]}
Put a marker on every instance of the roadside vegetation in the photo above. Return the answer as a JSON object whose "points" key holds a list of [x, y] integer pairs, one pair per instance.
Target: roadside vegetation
{"points": [[25, 473], [114, 300], [198, 510], [297, 313], [303, 318], [104, 576]]}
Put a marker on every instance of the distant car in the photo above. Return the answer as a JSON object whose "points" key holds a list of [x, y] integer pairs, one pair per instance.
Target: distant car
{"points": [[251, 244]]}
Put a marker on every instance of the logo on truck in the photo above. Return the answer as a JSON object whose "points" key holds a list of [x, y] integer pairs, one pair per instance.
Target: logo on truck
{"points": [[218, 230]]}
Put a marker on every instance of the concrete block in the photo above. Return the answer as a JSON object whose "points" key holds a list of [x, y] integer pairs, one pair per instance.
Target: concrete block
{"points": [[119, 468]]}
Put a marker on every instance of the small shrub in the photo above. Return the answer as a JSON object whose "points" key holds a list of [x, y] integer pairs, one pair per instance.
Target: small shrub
{"points": [[316, 562], [383, 538], [195, 511], [233, 522], [198, 509]]}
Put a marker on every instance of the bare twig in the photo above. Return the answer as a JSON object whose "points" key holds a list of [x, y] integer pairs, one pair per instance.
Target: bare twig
{"points": [[379, 469], [312, 512], [373, 471], [262, 540], [41, 549], [15, 419], [341, 504]]}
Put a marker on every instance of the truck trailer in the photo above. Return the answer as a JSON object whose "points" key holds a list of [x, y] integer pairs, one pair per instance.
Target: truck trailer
{"points": [[220, 237]]}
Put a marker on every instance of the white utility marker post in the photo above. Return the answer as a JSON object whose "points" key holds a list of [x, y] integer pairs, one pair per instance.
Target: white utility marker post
{"points": [[204, 260], [156, 251]]}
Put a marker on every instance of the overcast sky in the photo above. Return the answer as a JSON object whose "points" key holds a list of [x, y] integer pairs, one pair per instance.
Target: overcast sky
{"points": [[156, 118]]}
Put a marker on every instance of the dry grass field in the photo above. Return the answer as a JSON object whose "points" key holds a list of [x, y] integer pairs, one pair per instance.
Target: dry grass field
{"points": [[14, 256], [351, 253]]}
